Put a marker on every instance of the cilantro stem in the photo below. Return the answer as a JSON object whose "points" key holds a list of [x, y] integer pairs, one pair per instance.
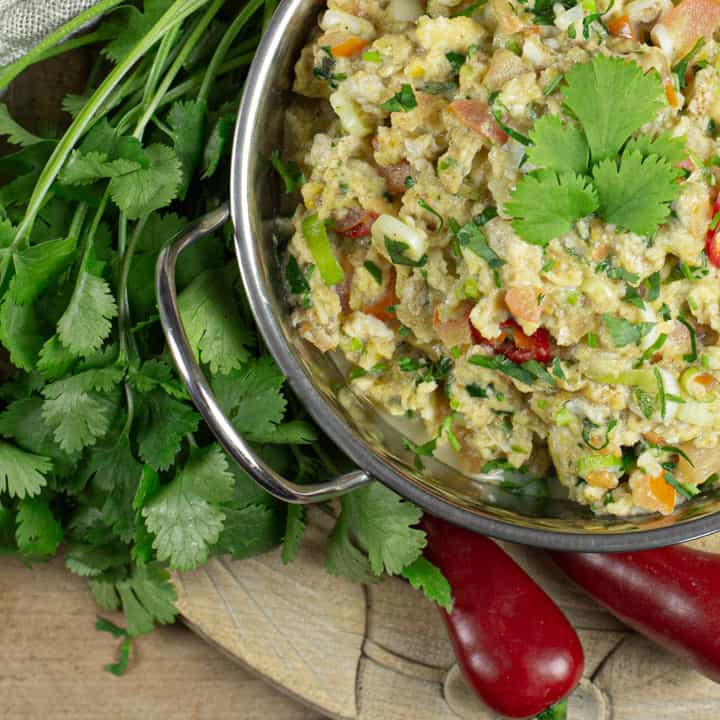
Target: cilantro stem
{"points": [[175, 14], [224, 45], [177, 65], [40, 51], [268, 11], [158, 65], [124, 320], [83, 40]]}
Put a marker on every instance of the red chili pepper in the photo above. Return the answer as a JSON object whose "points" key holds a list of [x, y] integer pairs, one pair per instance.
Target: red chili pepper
{"points": [[514, 645], [515, 345], [712, 249], [672, 595]]}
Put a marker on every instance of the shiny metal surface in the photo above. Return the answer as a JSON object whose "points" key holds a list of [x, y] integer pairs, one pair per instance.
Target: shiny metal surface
{"points": [[358, 429], [200, 390]]}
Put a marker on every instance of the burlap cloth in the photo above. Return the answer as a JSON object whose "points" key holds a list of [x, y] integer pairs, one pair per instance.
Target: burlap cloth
{"points": [[24, 23]]}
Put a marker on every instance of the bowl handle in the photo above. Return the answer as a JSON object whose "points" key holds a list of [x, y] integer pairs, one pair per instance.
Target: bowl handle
{"points": [[199, 388]]}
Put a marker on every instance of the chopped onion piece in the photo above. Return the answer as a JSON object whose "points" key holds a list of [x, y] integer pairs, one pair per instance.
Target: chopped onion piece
{"points": [[394, 229], [405, 10], [339, 20], [351, 117], [565, 19]]}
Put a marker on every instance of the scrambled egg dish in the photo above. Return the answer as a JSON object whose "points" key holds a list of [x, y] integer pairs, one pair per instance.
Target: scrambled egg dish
{"points": [[508, 230]]}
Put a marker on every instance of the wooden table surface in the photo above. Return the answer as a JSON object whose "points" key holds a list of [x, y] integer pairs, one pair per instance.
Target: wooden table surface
{"points": [[52, 662]]}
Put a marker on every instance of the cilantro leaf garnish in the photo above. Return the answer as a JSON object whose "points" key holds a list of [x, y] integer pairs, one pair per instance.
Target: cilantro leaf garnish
{"points": [[624, 332], [402, 101], [611, 98], [558, 145], [671, 149], [545, 205], [636, 193], [470, 236]]}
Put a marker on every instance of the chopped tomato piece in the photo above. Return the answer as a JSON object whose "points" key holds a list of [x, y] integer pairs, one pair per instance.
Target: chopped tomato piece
{"points": [[454, 332], [515, 345], [382, 305], [476, 116], [349, 48], [620, 26], [356, 223], [712, 250], [683, 25], [395, 176], [654, 493]]}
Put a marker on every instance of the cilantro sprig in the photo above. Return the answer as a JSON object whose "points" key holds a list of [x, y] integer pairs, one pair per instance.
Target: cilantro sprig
{"points": [[101, 449], [589, 161]]}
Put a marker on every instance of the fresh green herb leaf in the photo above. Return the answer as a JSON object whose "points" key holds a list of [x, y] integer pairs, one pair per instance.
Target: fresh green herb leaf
{"points": [[652, 283], [681, 68], [374, 270], [185, 516], [558, 146], [611, 98], [292, 177], [645, 401], [624, 332], [545, 205], [396, 250], [297, 281], [456, 60], [424, 205], [423, 575], [669, 148], [505, 366], [636, 193], [476, 391], [402, 101], [470, 10]]}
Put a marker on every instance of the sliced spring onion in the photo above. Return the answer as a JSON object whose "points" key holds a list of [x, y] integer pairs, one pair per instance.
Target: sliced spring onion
{"points": [[690, 382], [315, 234], [592, 463], [692, 357], [589, 426], [685, 489], [563, 417]]}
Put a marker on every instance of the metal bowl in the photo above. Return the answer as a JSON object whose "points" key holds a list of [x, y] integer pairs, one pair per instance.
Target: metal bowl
{"points": [[363, 433]]}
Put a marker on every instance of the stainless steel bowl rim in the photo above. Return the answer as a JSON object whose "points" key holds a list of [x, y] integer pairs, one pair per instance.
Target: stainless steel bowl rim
{"points": [[334, 425]]}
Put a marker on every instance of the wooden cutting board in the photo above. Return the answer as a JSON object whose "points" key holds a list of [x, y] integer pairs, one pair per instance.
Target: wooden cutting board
{"points": [[380, 652]]}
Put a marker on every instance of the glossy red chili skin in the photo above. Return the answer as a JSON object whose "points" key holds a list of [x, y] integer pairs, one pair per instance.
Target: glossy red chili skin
{"points": [[515, 345], [671, 595], [514, 645], [712, 246]]}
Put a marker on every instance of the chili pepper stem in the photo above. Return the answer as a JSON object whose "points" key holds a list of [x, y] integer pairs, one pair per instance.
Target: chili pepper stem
{"points": [[558, 711]]}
